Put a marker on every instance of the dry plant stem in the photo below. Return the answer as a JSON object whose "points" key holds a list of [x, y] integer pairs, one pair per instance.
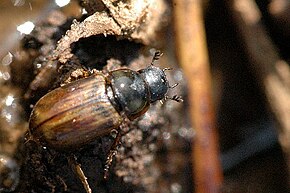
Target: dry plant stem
{"points": [[272, 72], [79, 172], [192, 55]]}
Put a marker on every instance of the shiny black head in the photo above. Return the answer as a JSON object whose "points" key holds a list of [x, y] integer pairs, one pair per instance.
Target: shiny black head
{"points": [[156, 81]]}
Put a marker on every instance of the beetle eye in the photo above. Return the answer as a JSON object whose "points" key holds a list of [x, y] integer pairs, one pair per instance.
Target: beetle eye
{"points": [[131, 92]]}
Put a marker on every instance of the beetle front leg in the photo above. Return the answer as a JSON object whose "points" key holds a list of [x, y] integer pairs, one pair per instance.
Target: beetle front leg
{"points": [[122, 130]]}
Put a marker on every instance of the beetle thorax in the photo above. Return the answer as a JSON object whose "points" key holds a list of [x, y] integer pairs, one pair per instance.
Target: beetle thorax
{"points": [[130, 92]]}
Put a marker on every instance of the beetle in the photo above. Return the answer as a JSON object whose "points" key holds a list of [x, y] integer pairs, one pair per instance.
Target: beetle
{"points": [[75, 114]]}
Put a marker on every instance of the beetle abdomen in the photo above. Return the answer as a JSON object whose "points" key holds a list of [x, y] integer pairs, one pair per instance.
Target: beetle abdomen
{"points": [[74, 114]]}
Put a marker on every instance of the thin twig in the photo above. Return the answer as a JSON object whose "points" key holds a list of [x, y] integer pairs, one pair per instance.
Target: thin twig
{"points": [[193, 57], [72, 160]]}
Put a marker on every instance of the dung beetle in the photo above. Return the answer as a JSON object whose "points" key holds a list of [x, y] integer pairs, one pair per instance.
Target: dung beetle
{"points": [[73, 115]]}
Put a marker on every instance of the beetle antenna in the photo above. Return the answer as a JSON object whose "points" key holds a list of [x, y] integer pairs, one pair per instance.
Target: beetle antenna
{"points": [[156, 56]]}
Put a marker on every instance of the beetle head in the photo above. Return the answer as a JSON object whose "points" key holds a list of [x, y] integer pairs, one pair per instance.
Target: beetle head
{"points": [[156, 81]]}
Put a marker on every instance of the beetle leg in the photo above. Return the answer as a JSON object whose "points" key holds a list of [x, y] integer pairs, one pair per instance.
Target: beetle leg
{"points": [[112, 153], [165, 69], [123, 129], [156, 56], [76, 167], [174, 98], [63, 182], [173, 86], [50, 184]]}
